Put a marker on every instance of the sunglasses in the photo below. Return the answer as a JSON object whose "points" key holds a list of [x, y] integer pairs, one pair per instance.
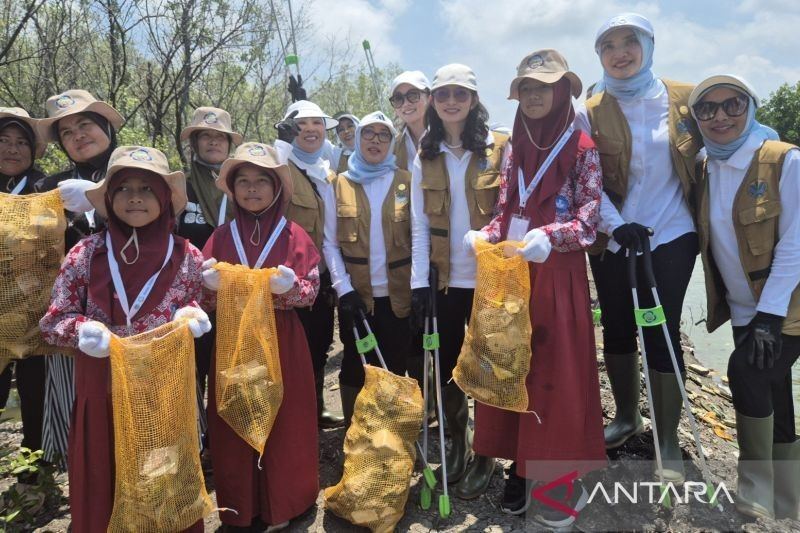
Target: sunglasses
{"points": [[370, 134], [412, 96], [733, 107], [459, 94]]}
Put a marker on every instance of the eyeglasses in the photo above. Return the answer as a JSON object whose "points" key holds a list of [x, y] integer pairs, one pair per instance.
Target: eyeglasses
{"points": [[342, 129], [733, 107], [460, 94], [412, 96], [370, 134]]}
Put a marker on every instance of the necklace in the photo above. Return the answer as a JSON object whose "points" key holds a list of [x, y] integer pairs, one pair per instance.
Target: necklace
{"points": [[453, 146]]}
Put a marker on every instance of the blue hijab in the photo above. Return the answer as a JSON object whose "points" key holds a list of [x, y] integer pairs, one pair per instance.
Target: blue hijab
{"points": [[362, 172], [638, 85], [308, 158]]}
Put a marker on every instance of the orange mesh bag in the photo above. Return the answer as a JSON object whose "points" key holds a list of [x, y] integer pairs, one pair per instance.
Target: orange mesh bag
{"points": [[31, 250], [496, 354], [249, 385], [379, 452], [159, 483]]}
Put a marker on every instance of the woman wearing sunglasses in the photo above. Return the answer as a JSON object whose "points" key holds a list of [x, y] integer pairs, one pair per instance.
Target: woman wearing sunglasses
{"points": [[411, 95], [748, 197], [455, 183], [368, 251], [647, 141], [346, 135]]}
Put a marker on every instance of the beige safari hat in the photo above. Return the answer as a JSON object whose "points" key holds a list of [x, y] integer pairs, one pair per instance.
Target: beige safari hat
{"points": [[260, 155], [73, 102], [547, 66], [144, 158], [17, 114], [211, 118]]}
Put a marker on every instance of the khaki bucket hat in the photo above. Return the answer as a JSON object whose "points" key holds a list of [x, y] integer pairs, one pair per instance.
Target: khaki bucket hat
{"points": [[73, 102], [260, 155], [143, 158], [211, 118], [17, 114], [547, 66]]}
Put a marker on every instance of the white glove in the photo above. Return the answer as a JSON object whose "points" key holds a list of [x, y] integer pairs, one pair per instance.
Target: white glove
{"points": [[93, 339], [471, 236], [198, 321], [283, 280], [73, 194], [210, 274], [537, 246]]}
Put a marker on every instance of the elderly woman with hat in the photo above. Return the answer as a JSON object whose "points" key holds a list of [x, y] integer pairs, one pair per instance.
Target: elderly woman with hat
{"points": [[283, 482], [139, 198], [411, 96], [454, 188], [748, 196], [302, 142], [549, 200], [647, 141], [346, 135]]}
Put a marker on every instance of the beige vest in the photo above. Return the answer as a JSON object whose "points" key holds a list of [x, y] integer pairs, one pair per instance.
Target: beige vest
{"points": [[482, 185], [400, 152], [756, 212], [342, 167], [306, 208], [612, 135], [352, 231]]}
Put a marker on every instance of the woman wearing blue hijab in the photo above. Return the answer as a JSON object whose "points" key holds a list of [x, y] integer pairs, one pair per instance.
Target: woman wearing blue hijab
{"points": [[748, 197], [647, 141]]}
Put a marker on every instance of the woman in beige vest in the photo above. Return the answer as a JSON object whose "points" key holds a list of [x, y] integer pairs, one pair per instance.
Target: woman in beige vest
{"points": [[749, 194], [346, 135], [411, 96]]}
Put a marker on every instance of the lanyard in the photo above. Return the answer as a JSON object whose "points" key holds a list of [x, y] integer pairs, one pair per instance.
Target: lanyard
{"points": [[237, 241], [120, 288], [223, 208], [525, 193], [20, 185]]}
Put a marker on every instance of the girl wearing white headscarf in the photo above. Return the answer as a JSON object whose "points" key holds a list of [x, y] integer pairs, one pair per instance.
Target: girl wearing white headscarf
{"points": [[346, 135]]}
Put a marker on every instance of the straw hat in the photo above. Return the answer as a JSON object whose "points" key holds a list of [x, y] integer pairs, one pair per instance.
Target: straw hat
{"points": [[260, 155], [211, 118], [143, 158], [73, 102], [547, 66], [17, 114]]}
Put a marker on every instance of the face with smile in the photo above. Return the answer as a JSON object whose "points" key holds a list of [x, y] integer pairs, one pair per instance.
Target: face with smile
{"points": [[453, 103], [212, 146], [723, 128], [312, 133], [375, 141], [253, 188], [134, 200], [621, 53], [411, 112], [82, 138], [16, 152], [535, 98], [346, 131]]}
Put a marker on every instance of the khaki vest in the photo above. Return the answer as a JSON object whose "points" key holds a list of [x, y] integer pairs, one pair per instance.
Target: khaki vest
{"points": [[400, 152], [306, 208], [756, 212], [482, 185], [352, 232], [342, 167], [612, 135]]}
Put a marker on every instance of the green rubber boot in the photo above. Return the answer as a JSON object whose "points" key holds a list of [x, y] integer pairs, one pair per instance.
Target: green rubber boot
{"points": [[667, 407], [456, 414], [348, 395], [476, 479], [755, 486], [786, 467], [623, 374]]}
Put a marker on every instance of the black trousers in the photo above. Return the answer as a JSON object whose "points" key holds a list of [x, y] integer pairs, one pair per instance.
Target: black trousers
{"points": [[317, 323], [454, 308], [30, 373], [394, 340], [673, 263], [759, 393]]}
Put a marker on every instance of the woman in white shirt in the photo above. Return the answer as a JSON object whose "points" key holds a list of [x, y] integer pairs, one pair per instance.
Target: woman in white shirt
{"points": [[748, 198], [647, 141], [411, 96]]}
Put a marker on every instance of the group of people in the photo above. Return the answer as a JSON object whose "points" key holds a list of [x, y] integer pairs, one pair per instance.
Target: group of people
{"points": [[359, 227]]}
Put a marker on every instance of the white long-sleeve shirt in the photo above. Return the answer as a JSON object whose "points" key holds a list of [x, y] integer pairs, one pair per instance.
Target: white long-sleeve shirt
{"points": [[655, 196], [376, 191], [725, 178]]}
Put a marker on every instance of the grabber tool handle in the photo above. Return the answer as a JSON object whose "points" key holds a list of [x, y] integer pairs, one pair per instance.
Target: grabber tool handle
{"points": [[648, 264], [632, 269]]}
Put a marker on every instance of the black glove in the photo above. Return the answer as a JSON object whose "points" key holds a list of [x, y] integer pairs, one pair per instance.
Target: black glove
{"points": [[288, 128], [763, 343], [296, 88], [349, 306], [632, 236], [420, 308]]}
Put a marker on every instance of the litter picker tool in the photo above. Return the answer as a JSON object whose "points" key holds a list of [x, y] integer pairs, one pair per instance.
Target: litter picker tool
{"points": [[372, 74]]}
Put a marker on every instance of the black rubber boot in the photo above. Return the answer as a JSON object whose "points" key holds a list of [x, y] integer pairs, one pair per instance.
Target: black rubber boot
{"points": [[456, 415], [325, 419], [623, 374], [476, 479]]}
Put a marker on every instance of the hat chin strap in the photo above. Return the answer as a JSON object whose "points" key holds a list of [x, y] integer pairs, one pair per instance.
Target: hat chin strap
{"points": [[133, 240], [255, 236]]}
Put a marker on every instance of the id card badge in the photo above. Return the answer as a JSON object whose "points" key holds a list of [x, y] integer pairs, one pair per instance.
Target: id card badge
{"points": [[518, 227]]}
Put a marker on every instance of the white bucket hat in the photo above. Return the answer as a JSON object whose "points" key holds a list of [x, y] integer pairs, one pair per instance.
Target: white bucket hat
{"points": [[306, 109]]}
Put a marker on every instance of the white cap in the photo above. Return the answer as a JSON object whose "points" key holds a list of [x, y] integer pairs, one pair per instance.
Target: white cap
{"points": [[624, 20], [722, 79], [306, 109], [455, 74], [412, 77], [378, 117]]}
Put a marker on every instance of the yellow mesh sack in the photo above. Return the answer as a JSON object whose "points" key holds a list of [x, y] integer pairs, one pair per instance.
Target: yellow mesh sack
{"points": [[496, 354], [159, 483], [31, 250], [249, 385], [379, 452]]}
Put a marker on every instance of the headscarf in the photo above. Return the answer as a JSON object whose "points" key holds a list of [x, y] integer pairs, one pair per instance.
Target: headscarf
{"points": [[8, 182], [361, 171], [308, 158], [95, 168], [202, 176], [344, 149], [638, 85], [723, 152], [152, 241]]}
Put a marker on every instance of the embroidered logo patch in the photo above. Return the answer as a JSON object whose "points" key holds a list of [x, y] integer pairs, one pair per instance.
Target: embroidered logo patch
{"points": [[140, 154], [401, 195], [562, 204], [257, 150], [683, 126], [535, 62], [757, 189], [210, 118], [483, 164], [64, 101]]}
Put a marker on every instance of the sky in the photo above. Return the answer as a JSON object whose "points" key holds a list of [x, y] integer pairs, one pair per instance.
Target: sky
{"points": [[757, 39]]}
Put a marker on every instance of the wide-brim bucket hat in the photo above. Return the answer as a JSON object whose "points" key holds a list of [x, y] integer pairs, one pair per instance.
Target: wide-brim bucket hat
{"points": [[306, 109], [260, 155], [73, 102], [547, 66], [17, 114], [213, 119]]}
